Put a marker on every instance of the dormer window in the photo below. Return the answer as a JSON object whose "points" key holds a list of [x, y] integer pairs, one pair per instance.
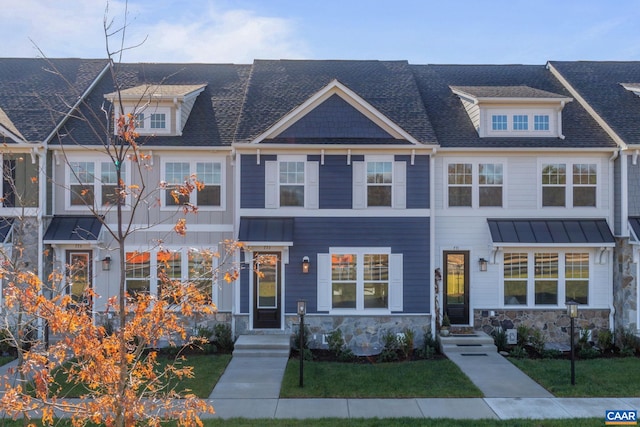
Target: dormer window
{"points": [[161, 110], [513, 111]]}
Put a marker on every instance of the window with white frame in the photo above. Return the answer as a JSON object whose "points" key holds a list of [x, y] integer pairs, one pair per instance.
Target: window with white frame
{"points": [[561, 189], [94, 183], [475, 184], [158, 121], [520, 122], [291, 182], [545, 277], [208, 173], [160, 272], [499, 122], [379, 183], [541, 122], [360, 279], [151, 120]]}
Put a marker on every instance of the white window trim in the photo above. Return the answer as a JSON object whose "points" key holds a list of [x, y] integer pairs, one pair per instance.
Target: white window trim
{"points": [[531, 298], [395, 281], [475, 183], [488, 113], [569, 181], [184, 268], [199, 158], [398, 182], [148, 110], [97, 183], [311, 183]]}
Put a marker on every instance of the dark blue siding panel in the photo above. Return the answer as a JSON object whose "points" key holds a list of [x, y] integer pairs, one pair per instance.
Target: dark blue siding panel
{"points": [[334, 118], [417, 181], [252, 180], [336, 188], [408, 236]]}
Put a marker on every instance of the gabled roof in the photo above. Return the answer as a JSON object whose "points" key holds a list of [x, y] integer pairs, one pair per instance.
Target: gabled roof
{"points": [[600, 85], [8, 129], [158, 91], [454, 128], [212, 120], [279, 87], [508, 94], [37, 94]]}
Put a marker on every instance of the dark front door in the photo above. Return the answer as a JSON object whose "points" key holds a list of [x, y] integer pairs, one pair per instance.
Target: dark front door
{"points": [[266, 291], [456, 286], [79, 278]]}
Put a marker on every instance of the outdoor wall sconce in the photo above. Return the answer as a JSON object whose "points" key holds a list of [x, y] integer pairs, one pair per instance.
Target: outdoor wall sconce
{"points": [[106, 263], [483, 264], [572, 311], [305, 265]]}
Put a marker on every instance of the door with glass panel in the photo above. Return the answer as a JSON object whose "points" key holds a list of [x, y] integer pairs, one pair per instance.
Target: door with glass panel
{"points": [[266, 291], [456, 286], [79, 278]]}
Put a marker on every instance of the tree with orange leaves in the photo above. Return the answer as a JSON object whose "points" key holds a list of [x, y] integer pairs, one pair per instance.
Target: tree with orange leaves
{"points": [[123, 382]]}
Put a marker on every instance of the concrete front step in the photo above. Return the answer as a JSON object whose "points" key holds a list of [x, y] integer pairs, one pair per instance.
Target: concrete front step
{"points": [[262, 346], [478, 342]]}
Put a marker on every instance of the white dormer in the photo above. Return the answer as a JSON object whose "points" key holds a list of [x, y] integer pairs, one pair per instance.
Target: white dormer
{"points": [[160, 110], [513, 111]]}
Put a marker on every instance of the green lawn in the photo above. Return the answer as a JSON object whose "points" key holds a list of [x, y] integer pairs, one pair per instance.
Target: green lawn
{"points": [[618, 377], [424, 378], [207, 369]]}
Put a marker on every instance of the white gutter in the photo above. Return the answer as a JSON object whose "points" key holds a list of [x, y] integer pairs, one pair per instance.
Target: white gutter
{"points": [[432, 242]]}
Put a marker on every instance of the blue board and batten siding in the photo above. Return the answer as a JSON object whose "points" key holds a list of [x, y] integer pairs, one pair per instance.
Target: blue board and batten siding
{"points": [[407, 236]]}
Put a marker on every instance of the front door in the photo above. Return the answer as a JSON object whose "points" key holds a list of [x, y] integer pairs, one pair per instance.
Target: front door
{"points": [[266, 291], [456, 286], [79, 278]]}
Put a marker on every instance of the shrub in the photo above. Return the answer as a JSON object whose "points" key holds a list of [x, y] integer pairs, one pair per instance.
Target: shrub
{"points": [[390, 351], [406, 342], [523, 334], [628, 342], [338, 347], [223, 338], [551, 353], [429, 347], [518, 352], [500, 339], [605, 341], [537, 340]]}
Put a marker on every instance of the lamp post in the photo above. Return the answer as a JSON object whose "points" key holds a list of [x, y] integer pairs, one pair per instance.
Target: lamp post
{"points": [[302, 310], [572, 311]]}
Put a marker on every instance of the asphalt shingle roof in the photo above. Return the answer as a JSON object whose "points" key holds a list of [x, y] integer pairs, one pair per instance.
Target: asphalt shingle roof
{"points": [[278, 87], [212, 120], [35, 94], [599, 83], [454, 128], [519, 91]]}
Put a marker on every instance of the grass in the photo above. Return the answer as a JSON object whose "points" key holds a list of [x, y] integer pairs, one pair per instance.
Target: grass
{"points": [[207, 369], [374, 422], [615, 377], [424, 378]]}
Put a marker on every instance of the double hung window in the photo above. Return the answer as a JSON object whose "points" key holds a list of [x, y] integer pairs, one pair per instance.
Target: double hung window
{"points": [[563, 189], [475, 184], [208, 173], [94, 183]]}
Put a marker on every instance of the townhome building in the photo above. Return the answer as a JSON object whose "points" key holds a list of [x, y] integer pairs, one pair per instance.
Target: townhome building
{"points": [[524, 198], [609, 91]]}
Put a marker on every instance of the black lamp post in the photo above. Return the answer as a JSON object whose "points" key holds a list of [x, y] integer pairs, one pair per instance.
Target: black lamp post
{"points": [[572, 311], [302, 310]]}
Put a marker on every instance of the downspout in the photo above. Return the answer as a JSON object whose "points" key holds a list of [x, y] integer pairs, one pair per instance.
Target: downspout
{"points": [[432, 242], [624, 206]]}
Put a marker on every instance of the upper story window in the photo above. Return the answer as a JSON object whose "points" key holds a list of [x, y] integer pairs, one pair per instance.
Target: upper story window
{"points": [[561, 189], [499, 122], [379, 183], [541, 122], [520, 122], [19, 184], [94, 183], [291, 183], [208, 173], [475, 184], [158, 121]]}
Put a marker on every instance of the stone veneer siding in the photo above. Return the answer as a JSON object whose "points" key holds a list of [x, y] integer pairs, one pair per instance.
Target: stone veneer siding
{"points": [[362, 334], [625, 286], [554, 324]]}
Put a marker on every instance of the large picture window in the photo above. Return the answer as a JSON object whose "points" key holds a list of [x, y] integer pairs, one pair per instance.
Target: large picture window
{"points": [[360, 280], [545, 277]]}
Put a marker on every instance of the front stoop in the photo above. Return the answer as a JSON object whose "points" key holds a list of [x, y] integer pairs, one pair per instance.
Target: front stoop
{"points": [[262, 346], [476, 343]]}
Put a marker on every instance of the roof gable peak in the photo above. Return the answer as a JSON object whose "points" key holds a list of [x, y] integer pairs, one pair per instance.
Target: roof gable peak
{"points": [[335, 87]]}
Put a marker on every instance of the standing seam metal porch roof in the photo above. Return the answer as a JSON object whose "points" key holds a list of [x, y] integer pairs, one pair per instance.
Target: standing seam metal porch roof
{"points": [[551, 231], [266, 230], [75, 229]]}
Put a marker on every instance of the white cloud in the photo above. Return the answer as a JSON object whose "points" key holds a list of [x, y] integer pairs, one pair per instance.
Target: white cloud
{"points": [[194, 31]]}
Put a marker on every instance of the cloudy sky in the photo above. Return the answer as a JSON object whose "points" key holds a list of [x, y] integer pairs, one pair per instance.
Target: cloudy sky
{"points": [[238, 31]]}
